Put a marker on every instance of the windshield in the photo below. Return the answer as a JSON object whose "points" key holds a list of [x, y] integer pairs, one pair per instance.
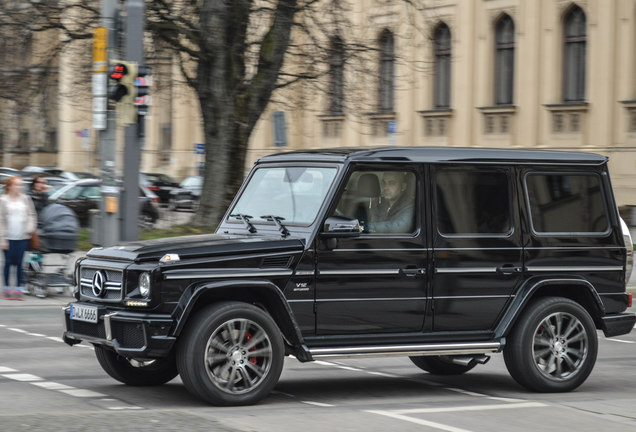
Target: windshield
{"points": [[292, 193]]}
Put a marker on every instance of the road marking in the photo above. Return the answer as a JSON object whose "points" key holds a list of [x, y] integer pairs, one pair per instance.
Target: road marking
{"points": [[22, 377], [35, 380], [82, 393], [420, 422], [50, 385], [17, 330], [470, 408], [401, 414], [620, 340], [55, 339], [319, 404], [36, 334]]}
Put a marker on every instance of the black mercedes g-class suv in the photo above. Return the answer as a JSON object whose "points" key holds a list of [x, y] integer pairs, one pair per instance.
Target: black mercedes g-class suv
{"points": [[445, 255]]}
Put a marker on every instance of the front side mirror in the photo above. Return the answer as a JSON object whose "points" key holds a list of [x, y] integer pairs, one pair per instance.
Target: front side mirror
{"points": [[340, 227]]}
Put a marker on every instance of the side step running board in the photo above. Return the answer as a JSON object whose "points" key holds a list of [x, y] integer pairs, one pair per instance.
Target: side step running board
{"points": [[467, 348]]}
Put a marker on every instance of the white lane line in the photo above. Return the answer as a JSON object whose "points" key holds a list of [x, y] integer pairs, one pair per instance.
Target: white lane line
{"points": [[55, 339], [401, 414], [470, 408], [50, 385], [23, 377], [620, 340], [318, 404], [36, 334], [420, 422], [17, 330], [355, 369], [6, 369], [82, 393]]}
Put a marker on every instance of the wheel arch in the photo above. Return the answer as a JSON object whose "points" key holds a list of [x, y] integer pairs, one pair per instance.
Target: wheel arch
{"points": [[579, 290], [263, 294]]}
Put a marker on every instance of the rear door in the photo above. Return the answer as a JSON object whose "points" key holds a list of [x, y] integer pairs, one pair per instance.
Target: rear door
{"points": [[477, 245]]}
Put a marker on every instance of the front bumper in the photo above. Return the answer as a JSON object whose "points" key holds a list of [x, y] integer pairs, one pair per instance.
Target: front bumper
{"points": [[618, 324], [130, 334]]}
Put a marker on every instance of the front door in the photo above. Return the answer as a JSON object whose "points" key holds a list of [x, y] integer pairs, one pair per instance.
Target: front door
{"points": [[375, 283], [477, 245]]}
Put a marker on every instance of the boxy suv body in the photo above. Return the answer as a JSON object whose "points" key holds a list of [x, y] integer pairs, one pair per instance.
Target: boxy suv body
{"points": [[445, 255]]}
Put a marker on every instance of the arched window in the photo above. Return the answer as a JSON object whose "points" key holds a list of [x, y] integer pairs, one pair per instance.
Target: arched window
{"points": [[336, 76], [442, 66], [387, 72], [504, 60], [575, 40]]}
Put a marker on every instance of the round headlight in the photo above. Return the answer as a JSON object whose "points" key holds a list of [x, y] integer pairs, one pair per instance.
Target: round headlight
{"points": [[144, 284]]}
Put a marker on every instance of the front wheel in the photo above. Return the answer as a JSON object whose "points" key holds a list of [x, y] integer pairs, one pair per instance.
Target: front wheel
{"points": [[553, 347], [230, 354], [136, 373]]}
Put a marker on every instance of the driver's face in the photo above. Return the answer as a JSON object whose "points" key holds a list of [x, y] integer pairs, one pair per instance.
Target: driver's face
{"points": [[392, 185]]}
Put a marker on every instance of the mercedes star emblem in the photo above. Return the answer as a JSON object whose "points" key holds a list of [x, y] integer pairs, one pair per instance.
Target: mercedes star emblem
{"points": [[98, 283]]}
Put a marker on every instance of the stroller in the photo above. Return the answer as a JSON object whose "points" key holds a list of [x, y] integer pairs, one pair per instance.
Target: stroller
{"points": [[58, 228]]}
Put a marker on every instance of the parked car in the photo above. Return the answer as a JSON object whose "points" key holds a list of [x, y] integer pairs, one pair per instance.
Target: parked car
{"points": [[84, 195], [161, 184], [187, 195], [442, 255]]}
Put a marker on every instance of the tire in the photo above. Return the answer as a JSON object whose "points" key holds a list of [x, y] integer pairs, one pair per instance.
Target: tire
{"points": [[553, 347], [440, 365], [230, 353], [172, 205], [134, 373]]}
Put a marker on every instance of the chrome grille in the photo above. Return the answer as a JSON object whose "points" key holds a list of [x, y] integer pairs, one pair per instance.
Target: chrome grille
{"points": [[112, 284]]}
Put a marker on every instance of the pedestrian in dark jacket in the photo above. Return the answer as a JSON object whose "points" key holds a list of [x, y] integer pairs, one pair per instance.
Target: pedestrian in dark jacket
{"points": [[39, 192]]}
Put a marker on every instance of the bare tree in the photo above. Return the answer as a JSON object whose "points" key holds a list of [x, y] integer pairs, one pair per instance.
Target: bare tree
{"points": [[235, 54]]}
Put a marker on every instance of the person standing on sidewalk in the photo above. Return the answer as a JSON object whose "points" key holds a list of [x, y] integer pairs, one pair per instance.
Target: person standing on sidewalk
{"points": [[17, 221]]}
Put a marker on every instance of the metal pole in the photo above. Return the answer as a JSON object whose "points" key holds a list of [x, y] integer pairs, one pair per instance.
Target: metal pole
{"points": [[109, 227], [135, 23]]}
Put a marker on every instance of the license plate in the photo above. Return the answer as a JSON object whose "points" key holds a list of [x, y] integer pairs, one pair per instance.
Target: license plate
{"points": [[84, 313]]}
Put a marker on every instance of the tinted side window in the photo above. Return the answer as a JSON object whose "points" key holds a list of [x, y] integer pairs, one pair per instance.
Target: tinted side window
{"points": [[382, 201], [473, 202], [566, 203]]}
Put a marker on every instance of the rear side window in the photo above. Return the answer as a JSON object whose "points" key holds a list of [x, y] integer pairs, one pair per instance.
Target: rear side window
{"points": [[566, 203], [473, 202]]}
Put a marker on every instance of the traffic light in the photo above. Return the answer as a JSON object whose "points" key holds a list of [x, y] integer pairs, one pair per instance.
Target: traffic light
{"points": [[121, 75], [122, 90], [142, 90]]}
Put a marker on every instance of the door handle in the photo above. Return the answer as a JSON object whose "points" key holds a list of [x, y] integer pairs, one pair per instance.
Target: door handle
{"points": [[412, 272], [508, 269]]}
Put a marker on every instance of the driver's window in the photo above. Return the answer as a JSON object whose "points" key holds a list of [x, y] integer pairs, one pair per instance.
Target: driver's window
{"points": [[382, 201]]}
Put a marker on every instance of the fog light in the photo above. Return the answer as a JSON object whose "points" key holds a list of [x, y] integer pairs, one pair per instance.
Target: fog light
{"points": [[144, 284]]}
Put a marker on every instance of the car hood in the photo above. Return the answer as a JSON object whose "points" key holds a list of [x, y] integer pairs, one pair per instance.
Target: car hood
{"points": [[197, 246]]}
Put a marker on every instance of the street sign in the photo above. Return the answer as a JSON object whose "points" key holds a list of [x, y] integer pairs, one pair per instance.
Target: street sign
{"points": [[392, 129], [199, 148]]}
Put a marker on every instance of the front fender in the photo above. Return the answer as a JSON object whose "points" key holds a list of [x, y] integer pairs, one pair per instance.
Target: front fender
{"points": [[572, 287], [263, 293]]}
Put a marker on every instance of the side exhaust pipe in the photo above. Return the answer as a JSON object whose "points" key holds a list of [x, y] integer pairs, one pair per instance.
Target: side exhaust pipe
{"points": [[470, 360]]}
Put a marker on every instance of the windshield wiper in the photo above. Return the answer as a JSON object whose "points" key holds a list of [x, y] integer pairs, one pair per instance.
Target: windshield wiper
{"points": [[276, 219], [246, 221]]}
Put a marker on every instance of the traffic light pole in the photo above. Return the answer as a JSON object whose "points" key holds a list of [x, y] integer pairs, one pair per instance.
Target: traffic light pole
{"points": [[109, 227], [135, 24]]}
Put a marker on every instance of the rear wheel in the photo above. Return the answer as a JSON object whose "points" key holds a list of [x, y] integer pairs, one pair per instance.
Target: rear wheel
{"points": [[136, 373], [230, 354], [441, 365], [553, 347]]}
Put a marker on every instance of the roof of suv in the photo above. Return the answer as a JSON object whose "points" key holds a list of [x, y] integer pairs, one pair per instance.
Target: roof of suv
{"points": [[437, 154]]}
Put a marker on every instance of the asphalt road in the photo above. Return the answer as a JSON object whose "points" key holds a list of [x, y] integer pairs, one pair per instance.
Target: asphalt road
{"points": [[46, 385]]}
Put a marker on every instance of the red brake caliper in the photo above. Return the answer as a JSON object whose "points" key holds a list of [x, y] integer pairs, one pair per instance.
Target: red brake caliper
{"points": [[251, 359]]}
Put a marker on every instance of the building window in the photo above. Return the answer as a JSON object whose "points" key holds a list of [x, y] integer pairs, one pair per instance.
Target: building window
{"points": [[442, 66], [387, 72], [336, 75], [280, 129], [575, 40], [504, 60]]}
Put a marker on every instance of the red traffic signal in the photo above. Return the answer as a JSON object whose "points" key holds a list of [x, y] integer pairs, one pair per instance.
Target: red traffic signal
{"points": [[118, 71]]}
